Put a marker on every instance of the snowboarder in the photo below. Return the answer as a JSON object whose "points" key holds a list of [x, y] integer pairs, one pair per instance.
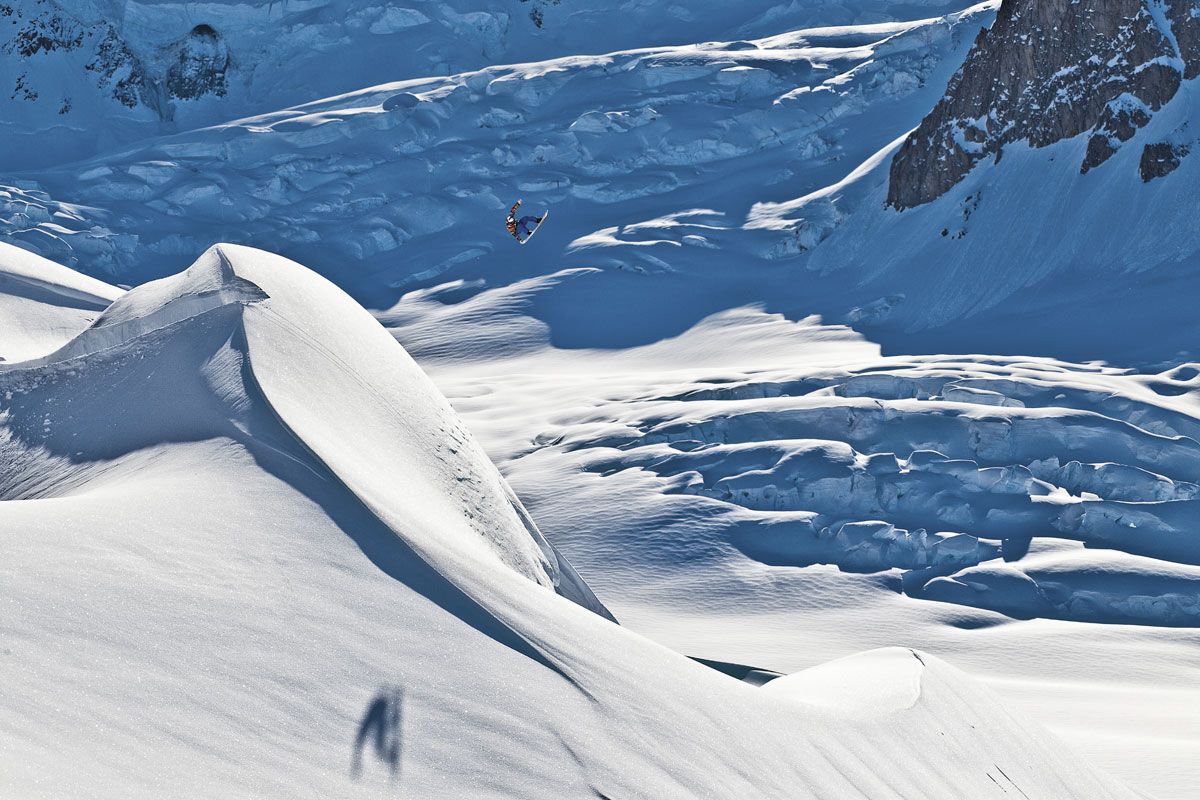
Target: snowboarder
{"points": [[521, 229]]}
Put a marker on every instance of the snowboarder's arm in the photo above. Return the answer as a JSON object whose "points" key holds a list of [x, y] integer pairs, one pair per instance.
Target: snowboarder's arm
{"points": [[512, 212]]}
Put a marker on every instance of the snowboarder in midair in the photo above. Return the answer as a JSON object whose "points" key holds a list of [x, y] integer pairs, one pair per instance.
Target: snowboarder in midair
{"points": [[521, 229]]}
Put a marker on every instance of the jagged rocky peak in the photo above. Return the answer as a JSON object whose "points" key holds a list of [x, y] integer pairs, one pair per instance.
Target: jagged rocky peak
{"points": [[1049, 70]]}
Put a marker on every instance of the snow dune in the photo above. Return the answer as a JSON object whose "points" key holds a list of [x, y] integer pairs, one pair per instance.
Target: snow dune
{"points": [[250, 550]]}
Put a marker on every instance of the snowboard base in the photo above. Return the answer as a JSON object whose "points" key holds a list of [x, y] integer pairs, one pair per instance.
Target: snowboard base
{"points": [[545, 215]]}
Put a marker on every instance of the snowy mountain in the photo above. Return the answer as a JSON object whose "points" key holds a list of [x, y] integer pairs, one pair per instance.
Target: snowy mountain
{"points": [[1045, 72], [273, 562], [88, 75], [855, 325], [1045, 201], [397, 179], [670, 163]]}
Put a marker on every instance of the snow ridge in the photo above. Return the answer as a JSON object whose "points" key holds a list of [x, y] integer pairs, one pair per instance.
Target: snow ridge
{"points": [[398, 556]]}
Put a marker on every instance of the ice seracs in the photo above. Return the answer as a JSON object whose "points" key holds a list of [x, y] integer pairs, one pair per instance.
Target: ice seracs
{"points": [[936, 468], [350, 179], [82, 76]]}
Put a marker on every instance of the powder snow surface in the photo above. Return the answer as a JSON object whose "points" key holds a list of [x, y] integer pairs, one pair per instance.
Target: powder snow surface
{"points": [[769, 421], [238, 566]]}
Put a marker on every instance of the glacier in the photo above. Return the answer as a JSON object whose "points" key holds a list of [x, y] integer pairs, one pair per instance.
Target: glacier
{"points": [[237, 537], [937, 467]]}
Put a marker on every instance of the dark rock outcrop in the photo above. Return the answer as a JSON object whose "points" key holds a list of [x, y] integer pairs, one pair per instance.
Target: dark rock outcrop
{"points": [[200, 66], [196, 65], [1161, 158], [1184, 16], [120, 71], [47, 31], [1049, 70]]}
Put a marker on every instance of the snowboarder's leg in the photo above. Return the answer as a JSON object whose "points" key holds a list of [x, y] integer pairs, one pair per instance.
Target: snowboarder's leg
{"points": [[525, 225]]}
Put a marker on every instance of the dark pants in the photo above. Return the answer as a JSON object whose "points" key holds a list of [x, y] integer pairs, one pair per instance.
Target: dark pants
{"points": [[525, 225]]}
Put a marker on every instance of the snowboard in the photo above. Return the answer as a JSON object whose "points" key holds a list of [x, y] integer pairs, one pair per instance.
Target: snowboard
{"points": [[545, 215]]}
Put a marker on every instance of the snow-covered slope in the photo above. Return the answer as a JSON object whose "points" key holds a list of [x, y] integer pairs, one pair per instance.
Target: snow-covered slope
{"points": [[43, 304], [249, 550], [84, 75], [444, 463], [755, 488], [394, 185], [1045, 204], [787, 497], [665, 165]]}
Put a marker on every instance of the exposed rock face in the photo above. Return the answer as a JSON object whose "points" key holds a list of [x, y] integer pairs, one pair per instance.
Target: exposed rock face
{"points": [[1184, 16], [201, 65], [120, 72], [1161, 158], [45, 32], [1049, 70], [195, 66]]}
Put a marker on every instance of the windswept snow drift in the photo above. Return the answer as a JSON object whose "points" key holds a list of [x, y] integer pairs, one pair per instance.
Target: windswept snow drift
{"points": [[242, 542], [43, 304], [445, 466]]}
